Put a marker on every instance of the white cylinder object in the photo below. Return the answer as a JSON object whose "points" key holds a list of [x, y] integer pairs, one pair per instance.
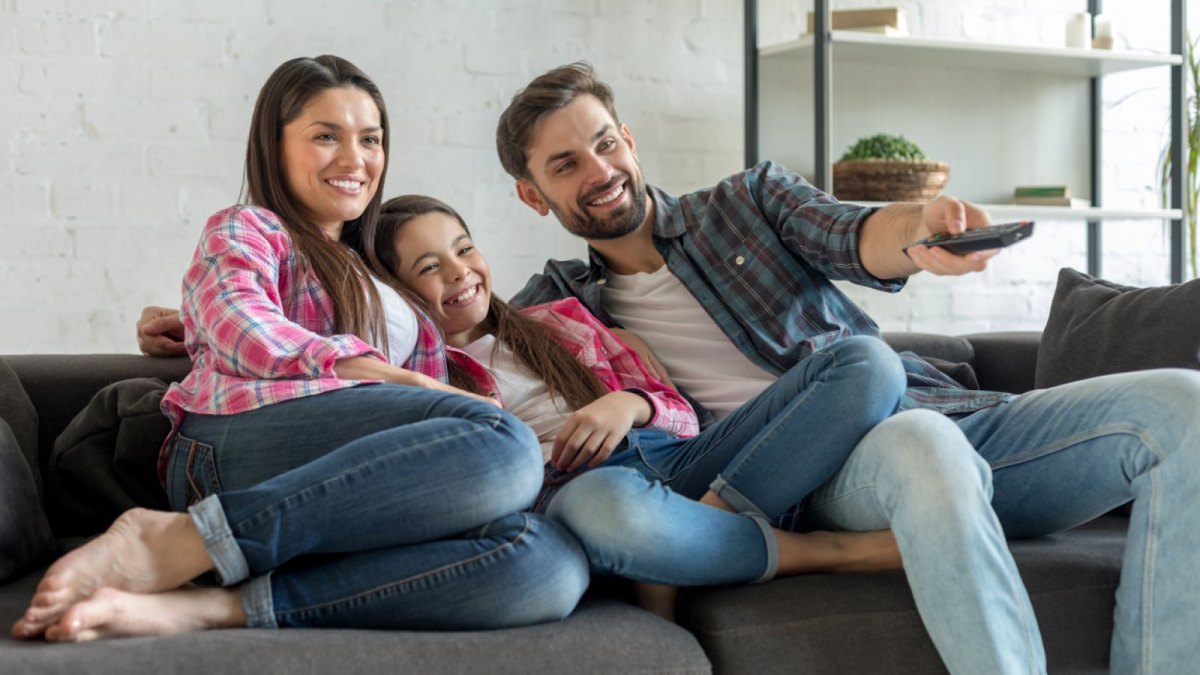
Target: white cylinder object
{"points": [[1079, 30], [1105, 34]]}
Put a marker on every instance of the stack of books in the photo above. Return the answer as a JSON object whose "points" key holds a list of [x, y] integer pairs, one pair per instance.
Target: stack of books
{"points": [[1048, 195], [889, 21]]}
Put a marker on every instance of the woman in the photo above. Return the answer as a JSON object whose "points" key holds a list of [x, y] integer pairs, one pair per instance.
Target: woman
{"points": [[322, 485], [594, 404]]}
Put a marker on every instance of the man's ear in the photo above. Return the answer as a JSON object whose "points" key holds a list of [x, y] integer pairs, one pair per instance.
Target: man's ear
{"points": [[625, 134], [532, 196]]}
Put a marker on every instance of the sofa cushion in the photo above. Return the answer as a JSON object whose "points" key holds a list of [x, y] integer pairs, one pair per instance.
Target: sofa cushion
{"points": [[604, 635], [17, 410], [104, 463], [868, 623], [1097, 327], [25, 538]]}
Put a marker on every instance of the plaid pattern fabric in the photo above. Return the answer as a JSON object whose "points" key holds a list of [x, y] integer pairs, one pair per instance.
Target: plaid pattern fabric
{"points": [[260, 327], [759, 252], [596, 347]]}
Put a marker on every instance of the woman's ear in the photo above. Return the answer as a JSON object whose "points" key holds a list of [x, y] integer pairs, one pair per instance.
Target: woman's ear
{"points": [[532, 196]]}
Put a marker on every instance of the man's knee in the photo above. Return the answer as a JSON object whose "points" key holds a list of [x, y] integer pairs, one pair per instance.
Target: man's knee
{"points": [[924, 451]]}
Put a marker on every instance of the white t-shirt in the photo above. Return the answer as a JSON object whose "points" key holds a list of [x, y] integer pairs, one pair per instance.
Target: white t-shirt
{"points": [[699, 357], [401, 324], [524, 393]]}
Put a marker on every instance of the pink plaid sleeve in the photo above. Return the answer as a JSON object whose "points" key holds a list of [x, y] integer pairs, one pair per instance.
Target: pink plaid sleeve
{"points": [[616, 364], [232, 303]]}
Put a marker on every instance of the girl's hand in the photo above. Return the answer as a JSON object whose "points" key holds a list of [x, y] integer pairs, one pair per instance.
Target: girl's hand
{"points": [[592, 433]]}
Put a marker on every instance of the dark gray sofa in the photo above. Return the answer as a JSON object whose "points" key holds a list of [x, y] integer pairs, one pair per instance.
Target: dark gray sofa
{"points": [[812, 624]]}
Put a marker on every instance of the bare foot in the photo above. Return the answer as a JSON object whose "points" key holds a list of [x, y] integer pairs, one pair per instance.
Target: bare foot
{"points": [[657, 598], [143, 552], [111, 613], [807, 552]]}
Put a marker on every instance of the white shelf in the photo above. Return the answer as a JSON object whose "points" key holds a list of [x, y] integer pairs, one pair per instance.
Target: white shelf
{"points": [[1016, 211], [941, 53]]}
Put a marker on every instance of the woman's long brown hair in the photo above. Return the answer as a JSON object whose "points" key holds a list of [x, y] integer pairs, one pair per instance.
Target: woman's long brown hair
{"points": [[339, 269], [532, 342]]}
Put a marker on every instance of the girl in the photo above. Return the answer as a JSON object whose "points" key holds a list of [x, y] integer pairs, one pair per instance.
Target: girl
{"points": [[594, 404], [395, 499]]}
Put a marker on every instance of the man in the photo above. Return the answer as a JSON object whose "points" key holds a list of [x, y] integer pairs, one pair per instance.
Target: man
{"points": [[731, 288]]}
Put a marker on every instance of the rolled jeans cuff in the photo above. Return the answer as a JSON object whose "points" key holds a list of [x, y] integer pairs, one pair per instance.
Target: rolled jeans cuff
{"points": [[229, 564], [256, 603], [745, 507]]}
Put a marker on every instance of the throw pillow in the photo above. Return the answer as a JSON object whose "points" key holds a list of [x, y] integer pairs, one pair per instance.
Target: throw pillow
{"points": [[105, 461], [1097, 327]]}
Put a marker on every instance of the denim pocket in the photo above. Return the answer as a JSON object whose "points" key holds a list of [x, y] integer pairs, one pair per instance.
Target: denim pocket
{"points": [[193, 472]]}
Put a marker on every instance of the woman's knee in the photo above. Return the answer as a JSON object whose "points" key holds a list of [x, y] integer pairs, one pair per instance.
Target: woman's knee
{"points": [[553, 572]]}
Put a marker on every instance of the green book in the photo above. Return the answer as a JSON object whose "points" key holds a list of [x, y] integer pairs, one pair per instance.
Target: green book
{"points": [[1042, 191]]}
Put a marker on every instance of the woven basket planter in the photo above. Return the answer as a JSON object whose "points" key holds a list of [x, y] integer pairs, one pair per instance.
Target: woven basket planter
{"points": [[886, 180]]}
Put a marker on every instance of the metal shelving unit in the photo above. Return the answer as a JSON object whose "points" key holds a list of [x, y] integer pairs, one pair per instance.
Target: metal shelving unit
{"points": [[819, 49]]}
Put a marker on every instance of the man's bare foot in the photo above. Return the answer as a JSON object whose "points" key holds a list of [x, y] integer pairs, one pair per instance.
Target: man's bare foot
{"points": [[808, 552], [657, 598], [143, 552], [111, 613]]}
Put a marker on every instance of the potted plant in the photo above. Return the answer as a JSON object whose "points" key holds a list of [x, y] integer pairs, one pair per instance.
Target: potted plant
{"points": [[1191, 180], [885, 168]]}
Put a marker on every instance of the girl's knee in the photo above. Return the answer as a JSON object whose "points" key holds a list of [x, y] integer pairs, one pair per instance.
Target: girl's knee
{"points": [[606, 505]]}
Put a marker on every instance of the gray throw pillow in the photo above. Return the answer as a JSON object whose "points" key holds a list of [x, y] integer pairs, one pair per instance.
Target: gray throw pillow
{"points": [[1097, 327]]}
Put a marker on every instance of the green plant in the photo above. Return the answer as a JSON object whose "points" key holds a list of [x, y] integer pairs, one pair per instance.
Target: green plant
{"points": [[1191, 180], [883, 146]]}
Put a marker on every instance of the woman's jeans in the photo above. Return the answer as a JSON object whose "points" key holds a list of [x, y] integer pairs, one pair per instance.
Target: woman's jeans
{"points": [[637, 517], [377, 506], [1046, 461]]}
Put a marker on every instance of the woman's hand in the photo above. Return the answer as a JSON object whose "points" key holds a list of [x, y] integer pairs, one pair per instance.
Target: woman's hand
{"points": [[592, 433], [639, 347]]}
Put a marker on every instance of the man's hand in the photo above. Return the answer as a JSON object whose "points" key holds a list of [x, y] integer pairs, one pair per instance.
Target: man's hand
{"points": [[160, 332], [884, 236], [639, 347], [592, 433], [946, 214]]}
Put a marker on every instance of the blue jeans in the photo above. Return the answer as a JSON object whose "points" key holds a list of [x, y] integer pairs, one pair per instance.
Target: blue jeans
{"points": [[377, 506], [636, 514], [1046, 461]]}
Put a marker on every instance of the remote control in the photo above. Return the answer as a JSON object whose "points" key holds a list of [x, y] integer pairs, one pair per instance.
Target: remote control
{"points": [[980, 239]]}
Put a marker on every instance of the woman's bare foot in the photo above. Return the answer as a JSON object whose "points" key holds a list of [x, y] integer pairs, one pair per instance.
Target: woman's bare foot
{"points": [[143, 552], [807, 552], [110, 613], [657, 598]]}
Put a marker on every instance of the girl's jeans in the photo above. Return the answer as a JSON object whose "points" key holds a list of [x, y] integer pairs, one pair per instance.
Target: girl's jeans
{"points": [[378, 506]]}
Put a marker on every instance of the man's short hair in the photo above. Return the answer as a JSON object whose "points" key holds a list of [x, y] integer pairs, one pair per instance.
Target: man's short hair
{"points": [[549, 92]]}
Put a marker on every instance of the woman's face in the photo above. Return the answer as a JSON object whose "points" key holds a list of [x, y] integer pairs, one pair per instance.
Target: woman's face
{"points": [[333, 157], [440, 263]]}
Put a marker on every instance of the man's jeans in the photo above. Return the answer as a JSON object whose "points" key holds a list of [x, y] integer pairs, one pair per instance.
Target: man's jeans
{"points": [[637, 517], [377, 506], [1046, 461]]}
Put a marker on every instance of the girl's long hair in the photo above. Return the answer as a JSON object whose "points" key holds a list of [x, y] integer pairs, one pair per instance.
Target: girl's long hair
{"points": [[532, 342], [338, 268]]}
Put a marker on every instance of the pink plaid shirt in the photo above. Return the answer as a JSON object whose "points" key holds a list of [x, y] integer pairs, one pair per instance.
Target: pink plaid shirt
{"points": [[260, 328], [596, 347]]}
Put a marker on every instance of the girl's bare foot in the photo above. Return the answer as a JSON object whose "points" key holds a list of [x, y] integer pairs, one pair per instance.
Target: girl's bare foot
{"points": [[143, 552], [110, 613], [807, 552]]}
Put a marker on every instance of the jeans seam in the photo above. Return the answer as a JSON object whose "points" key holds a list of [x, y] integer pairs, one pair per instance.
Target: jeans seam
{"points": [[1038, 453], [495, 552]]}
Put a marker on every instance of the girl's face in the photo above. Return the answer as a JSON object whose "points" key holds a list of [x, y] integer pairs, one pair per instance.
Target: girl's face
{"points": [[332, 156], [440, 263]]}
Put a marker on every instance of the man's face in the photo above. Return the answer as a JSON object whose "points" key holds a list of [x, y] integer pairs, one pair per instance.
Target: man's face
{"points": [[584, 168]]}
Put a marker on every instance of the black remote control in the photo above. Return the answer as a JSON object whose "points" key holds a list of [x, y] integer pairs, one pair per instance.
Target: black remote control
{"points": [[980, 239]]}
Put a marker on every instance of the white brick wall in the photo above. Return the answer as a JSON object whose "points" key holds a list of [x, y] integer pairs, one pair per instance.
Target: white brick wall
{"points": [[124, 124]]}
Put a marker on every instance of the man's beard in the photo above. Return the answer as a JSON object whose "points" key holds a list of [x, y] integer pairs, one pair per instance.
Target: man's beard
{"points": [[614, 225]]}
